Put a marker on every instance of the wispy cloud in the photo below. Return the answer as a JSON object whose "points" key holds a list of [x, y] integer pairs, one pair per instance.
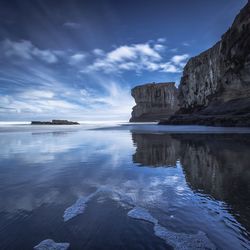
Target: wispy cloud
{"points": [[186, 44], [98, 52], [136, 57], [25, 50], [72, 25], [180, 60], [161, 40], [36, 94], [37, 101], [77, 58], [80, 83], [174, 50], [53, 98]]}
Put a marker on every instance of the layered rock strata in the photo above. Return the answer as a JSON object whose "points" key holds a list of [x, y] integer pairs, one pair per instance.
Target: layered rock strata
{"points": [[215, 86], [154, 101]]}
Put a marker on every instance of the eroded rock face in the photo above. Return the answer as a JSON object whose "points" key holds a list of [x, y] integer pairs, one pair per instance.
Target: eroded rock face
{"points": [[221, 73], [201, 79], [154, 101]]}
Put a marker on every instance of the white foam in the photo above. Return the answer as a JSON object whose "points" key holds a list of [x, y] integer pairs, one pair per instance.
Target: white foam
{"points": [[78, 207], [142, 214], [179, 241], [183, 241], [51, 245]]}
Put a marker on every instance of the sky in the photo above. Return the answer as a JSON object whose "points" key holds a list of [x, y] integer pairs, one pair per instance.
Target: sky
{"points": [[79, 59]]}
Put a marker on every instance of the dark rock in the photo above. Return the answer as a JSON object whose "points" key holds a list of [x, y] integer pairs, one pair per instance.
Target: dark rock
{"points": [[54, 122], [208, 120], [215, 87], [155, 150], [154, 101], [214, 164]]}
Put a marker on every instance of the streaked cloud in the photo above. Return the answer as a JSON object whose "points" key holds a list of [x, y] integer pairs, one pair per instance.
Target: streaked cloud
{"points": [[161, 40], [186, 44], [174, 50], [81, 84], [80, 59], [37, 94], [72, 25], [98, 52], [61, 99], [180, 60], [77, 58], [136, 57], [25, 50]]}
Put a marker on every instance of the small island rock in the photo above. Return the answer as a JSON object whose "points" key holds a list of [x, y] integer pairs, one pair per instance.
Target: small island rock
{"points": [[54, 122]]}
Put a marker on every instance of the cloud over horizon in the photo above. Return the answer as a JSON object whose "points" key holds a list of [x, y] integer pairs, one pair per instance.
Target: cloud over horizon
{"points": [[79, 59], [43, 92]]}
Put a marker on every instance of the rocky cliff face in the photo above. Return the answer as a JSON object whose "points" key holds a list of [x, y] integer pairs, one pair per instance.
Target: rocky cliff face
{"points": [[154, 101], [221, 73], [216, 83], [201, 79]]}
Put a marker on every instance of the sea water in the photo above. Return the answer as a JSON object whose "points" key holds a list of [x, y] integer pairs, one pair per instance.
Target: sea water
{"points": [[129, 186]]}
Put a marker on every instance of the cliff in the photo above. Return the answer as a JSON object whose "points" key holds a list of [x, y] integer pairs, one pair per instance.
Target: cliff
{"points": [[154, 101], [215, 86]]}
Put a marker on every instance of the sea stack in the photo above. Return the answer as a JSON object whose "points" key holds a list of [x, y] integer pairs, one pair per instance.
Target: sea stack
{"points": [[154, 101], [215, 86], [54, 122]]}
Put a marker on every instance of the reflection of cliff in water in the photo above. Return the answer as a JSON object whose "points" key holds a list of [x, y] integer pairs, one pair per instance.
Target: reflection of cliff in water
{"points": [[218, 164], [155, 150]]}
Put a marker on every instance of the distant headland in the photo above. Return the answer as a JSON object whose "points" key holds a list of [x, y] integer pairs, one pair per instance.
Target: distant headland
{"points": [[54, 122], [154, 101]]}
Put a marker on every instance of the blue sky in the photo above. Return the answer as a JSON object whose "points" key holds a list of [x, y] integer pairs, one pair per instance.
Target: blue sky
{"points": [[79, 59]]}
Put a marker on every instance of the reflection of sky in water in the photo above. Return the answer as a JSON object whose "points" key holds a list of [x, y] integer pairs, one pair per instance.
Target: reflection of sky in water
{"points": [[55, 169]]}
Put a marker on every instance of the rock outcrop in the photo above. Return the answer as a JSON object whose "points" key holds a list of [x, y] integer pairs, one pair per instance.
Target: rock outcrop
{"points": [[154, 101], [54, 122], [215, 87]]}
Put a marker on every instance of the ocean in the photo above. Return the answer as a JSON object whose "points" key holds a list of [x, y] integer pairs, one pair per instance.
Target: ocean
{"points": [[124, 186]]}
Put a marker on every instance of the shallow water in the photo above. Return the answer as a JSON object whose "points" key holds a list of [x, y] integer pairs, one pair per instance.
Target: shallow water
{"points": [[195, 185]]}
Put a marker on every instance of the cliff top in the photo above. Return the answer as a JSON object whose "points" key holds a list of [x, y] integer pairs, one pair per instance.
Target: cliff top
{"points": [[153, 84]]}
